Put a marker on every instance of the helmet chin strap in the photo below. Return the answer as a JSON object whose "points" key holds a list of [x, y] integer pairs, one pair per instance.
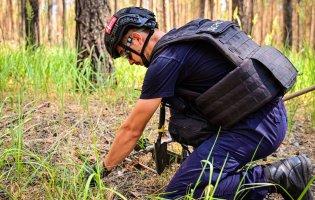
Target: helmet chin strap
{"points": [[145, 61]]}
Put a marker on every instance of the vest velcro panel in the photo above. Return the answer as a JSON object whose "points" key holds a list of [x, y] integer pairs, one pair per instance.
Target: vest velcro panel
{"points": [[239, 93], [278, 64]]}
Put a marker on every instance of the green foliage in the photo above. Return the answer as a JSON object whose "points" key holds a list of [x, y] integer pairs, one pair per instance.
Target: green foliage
{"points": [[44, 72], [303, 105], [29, 11], [142, 143]]}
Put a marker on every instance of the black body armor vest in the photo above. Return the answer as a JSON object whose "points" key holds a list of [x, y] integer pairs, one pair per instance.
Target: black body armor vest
{"points": [[260, 73]]}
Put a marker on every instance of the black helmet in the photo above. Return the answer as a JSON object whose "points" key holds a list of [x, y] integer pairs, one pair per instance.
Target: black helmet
{"points": [[124, 20]]}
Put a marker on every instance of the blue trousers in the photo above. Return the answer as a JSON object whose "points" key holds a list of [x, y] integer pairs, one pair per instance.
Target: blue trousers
{"points": [[255, 137]]}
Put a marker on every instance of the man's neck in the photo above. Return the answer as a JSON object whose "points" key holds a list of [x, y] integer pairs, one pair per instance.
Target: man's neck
{"points": [[153, 40]]}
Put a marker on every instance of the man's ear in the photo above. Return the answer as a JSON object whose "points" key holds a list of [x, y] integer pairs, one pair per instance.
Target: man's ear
{"points": [[138, 37]]}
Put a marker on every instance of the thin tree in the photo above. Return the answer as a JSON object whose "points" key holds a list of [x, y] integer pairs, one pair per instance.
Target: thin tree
{"points": [[64, 22], [115, 5], [202, 5], [31, 23], [287, 23], [211, 5], [265, 19], [295, 24], [2, 38], [230, 9], [11, 25], [301, 22], [50, 4], [90, 23], [151, 5], [23, 18], [308, 18], [245, 14], [164, 15], [218, 9], [259, 9], [140, 3], [248, 19], [173, 13], [312, 33]]}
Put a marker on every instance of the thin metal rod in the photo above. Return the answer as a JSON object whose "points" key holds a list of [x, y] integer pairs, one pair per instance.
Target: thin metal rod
{"points": [[298, 93]]}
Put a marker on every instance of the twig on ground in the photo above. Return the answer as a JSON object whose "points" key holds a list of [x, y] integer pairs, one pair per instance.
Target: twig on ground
{"points": [[29, 128], [134, 194], [142, 165], [158, 191]]}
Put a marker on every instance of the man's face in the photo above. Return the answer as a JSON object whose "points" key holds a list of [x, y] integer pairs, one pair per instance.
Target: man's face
{"points": [[135, 41]]}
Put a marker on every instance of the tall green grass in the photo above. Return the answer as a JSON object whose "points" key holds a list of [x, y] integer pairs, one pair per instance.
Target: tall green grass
{"points": [[304, 105], [52, 71]]}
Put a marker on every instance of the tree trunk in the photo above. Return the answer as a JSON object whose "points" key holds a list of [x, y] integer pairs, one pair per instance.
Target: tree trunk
{"points": [[295, 24], [280, 25], [59, 21], [2, 38], [202, 5], [239, 5], [269, 17], [115, 6], [164, 15], [248, 18], [90, 23], [312, 34], [173, 13], [218, 9], [32, 24], [259, 25], [211, 4], [139, 3], [230, 9], [23, 18], [4, 20], [49, 19], [167, 14], [245, 14], [176, 11], [265, 19], [301, 32], [287, 23], [307, 26], [186, 11], [64, 22], [11, 29], [151, 5]]}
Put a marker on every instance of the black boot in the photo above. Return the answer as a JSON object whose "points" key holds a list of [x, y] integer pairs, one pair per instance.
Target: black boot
{"points": [[292, 174]]}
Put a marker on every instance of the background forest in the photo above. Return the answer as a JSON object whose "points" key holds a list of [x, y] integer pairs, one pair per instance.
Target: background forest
{"points": [[62, 98], [280, 22]]}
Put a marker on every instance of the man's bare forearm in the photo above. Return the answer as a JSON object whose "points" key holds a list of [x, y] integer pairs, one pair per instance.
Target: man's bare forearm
{"points": [[123, 144], [130, 132]]}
